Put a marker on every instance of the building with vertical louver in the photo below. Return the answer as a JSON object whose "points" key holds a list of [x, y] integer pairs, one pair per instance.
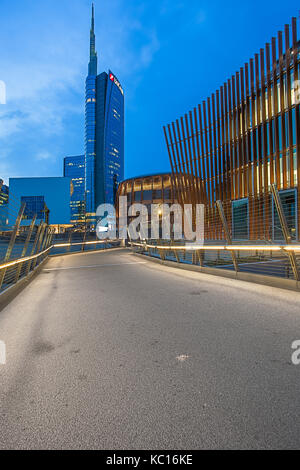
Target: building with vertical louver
{"points": [[241, 140]]}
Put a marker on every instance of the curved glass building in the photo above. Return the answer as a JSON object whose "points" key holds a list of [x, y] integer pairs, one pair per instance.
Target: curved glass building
{"points": [[104, 135]]}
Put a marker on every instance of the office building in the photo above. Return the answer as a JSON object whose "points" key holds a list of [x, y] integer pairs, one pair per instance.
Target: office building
{"points": [[104, 135], [40, 195], [74, 168]]}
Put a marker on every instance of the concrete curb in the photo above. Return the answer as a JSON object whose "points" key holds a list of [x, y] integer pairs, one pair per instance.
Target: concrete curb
{"points": [[12, 291], [271, 281]]}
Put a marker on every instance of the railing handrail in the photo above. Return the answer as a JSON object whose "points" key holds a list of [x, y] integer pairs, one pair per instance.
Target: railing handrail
{"points": [[220, 247], [43, 252]]}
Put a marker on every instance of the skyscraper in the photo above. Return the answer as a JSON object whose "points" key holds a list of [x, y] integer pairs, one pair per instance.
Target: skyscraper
{"points": [[104, 134]]}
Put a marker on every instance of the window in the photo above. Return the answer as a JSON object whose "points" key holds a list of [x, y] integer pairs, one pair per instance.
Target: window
{"points": [[289, 206], [147, 195], [240, 220], [167, 194], [157, 194], [138, 195]]}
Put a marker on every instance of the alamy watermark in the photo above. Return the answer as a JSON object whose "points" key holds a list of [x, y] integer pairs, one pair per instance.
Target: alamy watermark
{"points": [[2, 92], [296, 354], [2, 353], [296, 92], [161, 221]]}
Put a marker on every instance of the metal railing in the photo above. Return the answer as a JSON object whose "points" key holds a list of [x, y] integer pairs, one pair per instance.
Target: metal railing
{"points": [[24, 248], [268, 260], [261, 257]]}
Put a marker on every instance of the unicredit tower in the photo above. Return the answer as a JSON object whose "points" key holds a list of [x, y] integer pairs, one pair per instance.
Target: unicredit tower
{"points": [[104, 135]]}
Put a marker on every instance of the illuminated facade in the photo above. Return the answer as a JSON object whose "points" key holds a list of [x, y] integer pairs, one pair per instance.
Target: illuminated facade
{"points": [[242, 140], [104, 135], [148, 189], [74, 168]]}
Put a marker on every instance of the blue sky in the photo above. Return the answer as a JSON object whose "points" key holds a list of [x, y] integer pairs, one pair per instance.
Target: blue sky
{"points": [[159, 49]]}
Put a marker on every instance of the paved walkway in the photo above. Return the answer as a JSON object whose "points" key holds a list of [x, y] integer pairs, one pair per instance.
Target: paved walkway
{"points": [[107, 350]]}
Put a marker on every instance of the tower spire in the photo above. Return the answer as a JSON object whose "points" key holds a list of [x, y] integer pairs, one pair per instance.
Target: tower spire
{"points": [[93, 53], [93, 18]]}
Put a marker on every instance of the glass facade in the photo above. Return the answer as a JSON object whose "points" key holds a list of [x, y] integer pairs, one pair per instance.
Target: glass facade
{"points": [[74, 168], [54, 192], [3, 205], [34, 205], [104, 136], [109, 138], [90, 145], [149, 189], [289, 205], [240, 219]]}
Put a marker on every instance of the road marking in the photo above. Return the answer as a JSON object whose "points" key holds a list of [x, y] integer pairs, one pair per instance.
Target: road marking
{"points": [[182, 357], [93, 266]]}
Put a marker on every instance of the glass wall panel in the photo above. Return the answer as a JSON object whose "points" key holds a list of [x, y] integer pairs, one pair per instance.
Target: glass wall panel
{"points": [[240, 219], [289, 205]]}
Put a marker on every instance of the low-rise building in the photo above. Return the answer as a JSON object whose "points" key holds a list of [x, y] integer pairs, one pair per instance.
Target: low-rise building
{"points": [[42, 196]]}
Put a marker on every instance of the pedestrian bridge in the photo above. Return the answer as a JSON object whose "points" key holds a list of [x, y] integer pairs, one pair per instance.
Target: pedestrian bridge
{"points": [[106, 349], [23, 251]]}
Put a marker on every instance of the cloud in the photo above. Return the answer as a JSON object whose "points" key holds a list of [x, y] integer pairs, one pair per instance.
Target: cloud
{"points": [[44, 155], [148, 50], [44, 65], [9, 124]]}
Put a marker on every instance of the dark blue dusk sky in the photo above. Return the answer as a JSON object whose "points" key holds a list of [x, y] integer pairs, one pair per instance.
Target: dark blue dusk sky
{"points": [[167, 54]]}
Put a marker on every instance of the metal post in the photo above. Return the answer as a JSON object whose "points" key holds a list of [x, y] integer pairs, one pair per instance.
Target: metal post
{"points": [[37, 236], [200, 254], [227, 233], [39, 244], [18, 271], [34, 246], [69, 241], [83, 242], [285, 230], [43, 244], [50, 238], [12, 241], [47, 239]]}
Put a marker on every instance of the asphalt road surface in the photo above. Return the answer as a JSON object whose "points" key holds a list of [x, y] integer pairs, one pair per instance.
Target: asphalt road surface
{"points": [[112, 351]]}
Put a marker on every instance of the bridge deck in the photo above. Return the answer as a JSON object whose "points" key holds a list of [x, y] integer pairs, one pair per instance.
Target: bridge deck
{"points": [[105, 350]]}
